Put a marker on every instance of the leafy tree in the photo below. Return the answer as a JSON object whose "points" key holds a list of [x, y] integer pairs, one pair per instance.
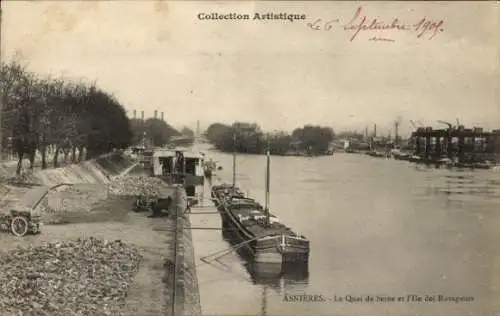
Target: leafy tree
{"points": [[314, 139], [186, 131], [41, 113], [242, 137], [216, 131], [156, 131], [249, 138], [279, 142]]}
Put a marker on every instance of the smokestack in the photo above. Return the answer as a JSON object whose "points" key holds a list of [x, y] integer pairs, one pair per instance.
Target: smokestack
{"points": [[162, 116], [142, 115], [374, 130], [156, 114], [135, 113]]}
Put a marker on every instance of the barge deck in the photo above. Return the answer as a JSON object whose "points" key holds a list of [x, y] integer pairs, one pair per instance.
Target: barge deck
{"points": [[266, 240]]}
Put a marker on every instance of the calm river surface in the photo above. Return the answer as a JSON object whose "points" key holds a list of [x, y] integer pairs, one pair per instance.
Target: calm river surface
{"points": [[377, 227]]}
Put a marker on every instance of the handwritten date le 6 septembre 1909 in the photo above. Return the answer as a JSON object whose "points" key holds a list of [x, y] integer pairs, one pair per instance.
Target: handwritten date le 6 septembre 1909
{"points": [[426, 28]]}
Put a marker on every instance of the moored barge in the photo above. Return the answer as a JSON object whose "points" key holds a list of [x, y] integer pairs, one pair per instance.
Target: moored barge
{"points": [[260, 233]]}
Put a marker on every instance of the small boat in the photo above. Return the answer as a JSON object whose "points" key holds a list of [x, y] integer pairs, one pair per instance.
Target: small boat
{"points": [[376, 154], [415, 158], [474, 165], [399, 155]]}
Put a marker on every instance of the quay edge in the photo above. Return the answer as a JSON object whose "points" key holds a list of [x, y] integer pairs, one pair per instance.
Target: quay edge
{"points": [[187, 292]]}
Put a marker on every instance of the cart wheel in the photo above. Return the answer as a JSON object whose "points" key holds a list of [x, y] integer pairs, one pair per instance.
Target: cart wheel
{"points": [[19, 226]]}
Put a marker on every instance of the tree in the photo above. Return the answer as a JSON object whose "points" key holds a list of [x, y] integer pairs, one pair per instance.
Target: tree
{"points": [[186, 131], [249, 138], [240, 136], [43, 112], [11, 75], [279, 142], [110, 127], [157, 131], [314, 139], [215, 131]]}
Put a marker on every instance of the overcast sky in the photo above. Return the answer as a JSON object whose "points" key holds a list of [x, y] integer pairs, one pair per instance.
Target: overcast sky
{"points": [[157, 55]]}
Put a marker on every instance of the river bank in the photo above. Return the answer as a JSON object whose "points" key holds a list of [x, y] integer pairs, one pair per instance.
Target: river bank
{"points": [[97, 203]]}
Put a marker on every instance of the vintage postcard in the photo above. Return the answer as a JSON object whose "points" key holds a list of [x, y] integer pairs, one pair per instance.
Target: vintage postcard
{"points": [[202, 158]]}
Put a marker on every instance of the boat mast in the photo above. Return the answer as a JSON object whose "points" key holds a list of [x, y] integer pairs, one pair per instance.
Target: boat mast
{"points": [[234, 160], [268, 175]]}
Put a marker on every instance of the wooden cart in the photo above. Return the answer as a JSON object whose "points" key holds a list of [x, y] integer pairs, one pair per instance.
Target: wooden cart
{"points": [[20, 222], [25, 218]]}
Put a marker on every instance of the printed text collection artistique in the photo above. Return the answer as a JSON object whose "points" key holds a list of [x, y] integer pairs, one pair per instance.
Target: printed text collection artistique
{"points": [[214, 16]]}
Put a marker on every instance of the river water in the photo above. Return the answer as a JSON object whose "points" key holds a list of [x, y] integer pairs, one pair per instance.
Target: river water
{"points": [[377, 227]]}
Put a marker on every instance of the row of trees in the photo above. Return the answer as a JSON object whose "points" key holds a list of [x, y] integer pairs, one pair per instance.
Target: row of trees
{"points": [[41, 113], [153, 131], [249, 138]]}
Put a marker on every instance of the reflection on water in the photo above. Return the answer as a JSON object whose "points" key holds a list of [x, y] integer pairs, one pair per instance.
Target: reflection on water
{"points": [[376, 227], [274, 274], [461, 183], [270, 274]]}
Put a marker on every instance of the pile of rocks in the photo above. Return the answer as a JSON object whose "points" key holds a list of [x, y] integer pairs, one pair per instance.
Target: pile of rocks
{"points": [[82, 277], [138, 185], [79, 198]]}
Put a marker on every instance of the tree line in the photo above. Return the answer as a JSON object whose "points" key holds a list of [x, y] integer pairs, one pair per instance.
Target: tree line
{"points": [[53, 114], [249, 138], [152, 132]]}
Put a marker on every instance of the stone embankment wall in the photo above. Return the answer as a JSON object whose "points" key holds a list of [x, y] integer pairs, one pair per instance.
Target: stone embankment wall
{"points": [[187, 292], [192, 304]]}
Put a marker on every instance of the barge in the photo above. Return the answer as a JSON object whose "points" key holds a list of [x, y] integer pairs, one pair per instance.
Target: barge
{"points": [[252, 229], [246, 222], [180, 167]]}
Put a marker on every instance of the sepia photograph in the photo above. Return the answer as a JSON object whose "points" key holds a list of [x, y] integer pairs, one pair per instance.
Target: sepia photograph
{"points": [[253, 158]]}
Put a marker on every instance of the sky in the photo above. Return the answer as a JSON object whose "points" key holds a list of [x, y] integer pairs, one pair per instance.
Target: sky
{"points": [[157, 55]]}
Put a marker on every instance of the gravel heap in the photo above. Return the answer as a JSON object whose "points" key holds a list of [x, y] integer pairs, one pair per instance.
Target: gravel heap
{"points": [[82, 277], [80, 198], [138, 185]]}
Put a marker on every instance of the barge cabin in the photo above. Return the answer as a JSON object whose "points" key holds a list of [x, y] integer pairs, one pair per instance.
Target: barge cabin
{"points": [[176, 166], [145, 158], [456, 144]]}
